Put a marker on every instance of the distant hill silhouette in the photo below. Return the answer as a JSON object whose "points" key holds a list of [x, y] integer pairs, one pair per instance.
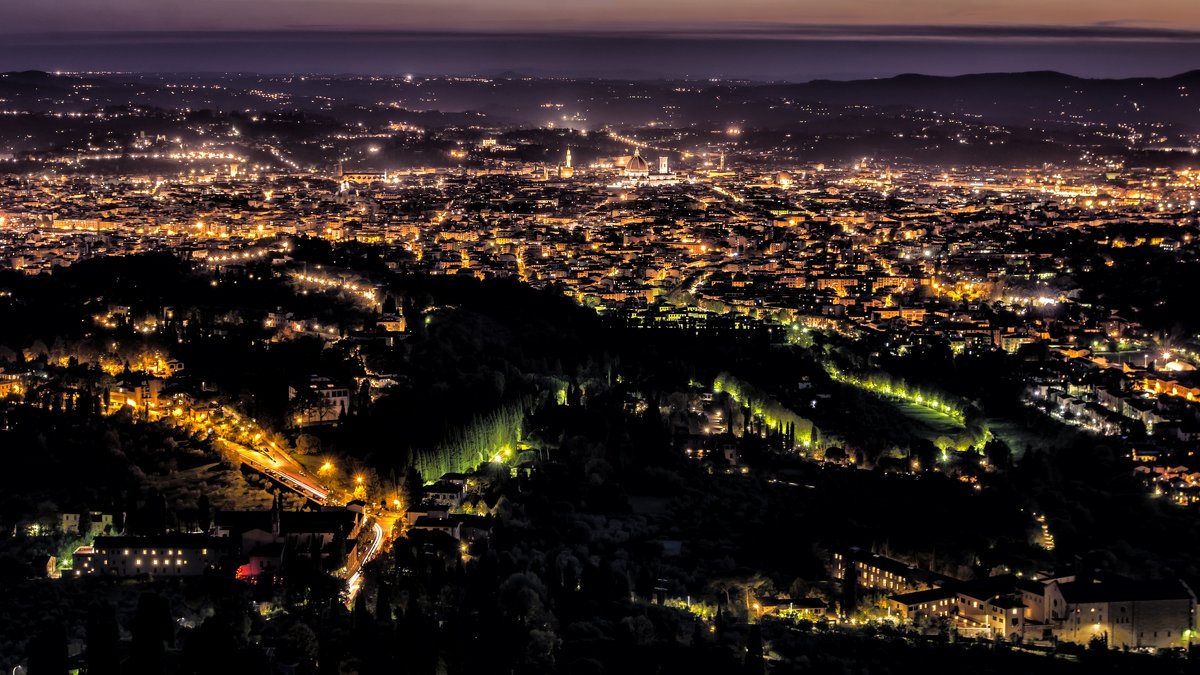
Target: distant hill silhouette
{"points": [[1009, 98]]}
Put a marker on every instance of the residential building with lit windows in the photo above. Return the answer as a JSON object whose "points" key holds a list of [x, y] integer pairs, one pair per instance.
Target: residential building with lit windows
{"points": [[988, 603], [321, 401], [1122, 612], [1004, 606], [176, 555], [932, 603], [10, 384], [882, 573], [1006, 618]]}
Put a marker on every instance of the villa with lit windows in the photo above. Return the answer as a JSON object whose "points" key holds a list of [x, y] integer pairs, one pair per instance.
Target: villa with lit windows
{"points": [[1123, 613], [326, 401], [175, 555], [10, 384]]}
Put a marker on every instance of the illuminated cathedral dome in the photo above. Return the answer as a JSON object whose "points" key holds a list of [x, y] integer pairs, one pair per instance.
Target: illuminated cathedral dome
{"points": [[637, 166]]}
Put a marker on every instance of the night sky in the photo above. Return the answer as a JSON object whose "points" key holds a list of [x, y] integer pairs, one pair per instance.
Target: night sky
{"points": [[755, 39]]}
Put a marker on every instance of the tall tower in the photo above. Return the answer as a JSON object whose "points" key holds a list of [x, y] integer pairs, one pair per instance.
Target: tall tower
{"points": [[566, 170], [662, 165], [722, 166]]}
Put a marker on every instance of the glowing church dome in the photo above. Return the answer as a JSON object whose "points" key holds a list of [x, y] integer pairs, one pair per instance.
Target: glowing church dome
{"points": [[637, 166]]}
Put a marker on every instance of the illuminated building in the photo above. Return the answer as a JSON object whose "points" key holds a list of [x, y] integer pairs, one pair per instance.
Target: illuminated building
{"points": [[1122, 612], [322, 402], [636, 167], [176, 555], [882, 573], [567, 170], [934, 602]]}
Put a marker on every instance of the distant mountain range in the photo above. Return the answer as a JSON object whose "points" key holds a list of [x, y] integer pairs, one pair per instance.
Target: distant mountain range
{"points": [[1016, 97], [1027, 99]]}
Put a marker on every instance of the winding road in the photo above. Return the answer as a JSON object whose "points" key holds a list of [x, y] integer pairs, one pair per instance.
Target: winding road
{"points": [[354, 579]]}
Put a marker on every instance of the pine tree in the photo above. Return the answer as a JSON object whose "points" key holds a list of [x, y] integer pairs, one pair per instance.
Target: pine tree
{"points": [[103, 636], [753, 663]]}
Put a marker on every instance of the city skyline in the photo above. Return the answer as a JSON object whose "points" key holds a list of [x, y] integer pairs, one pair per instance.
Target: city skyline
{"points": [[584, 337]]}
